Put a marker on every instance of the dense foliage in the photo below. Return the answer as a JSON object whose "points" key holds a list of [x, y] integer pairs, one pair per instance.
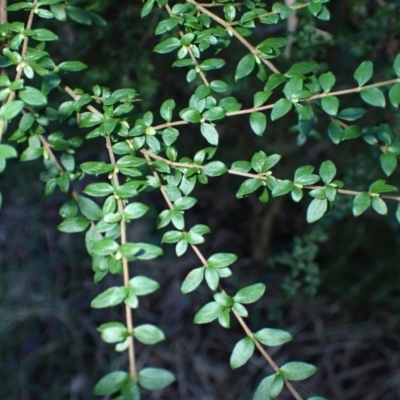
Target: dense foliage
{"points": [[255, 129]]}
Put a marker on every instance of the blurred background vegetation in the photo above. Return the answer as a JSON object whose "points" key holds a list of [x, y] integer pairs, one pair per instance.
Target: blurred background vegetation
{"points": [[334, 285]]}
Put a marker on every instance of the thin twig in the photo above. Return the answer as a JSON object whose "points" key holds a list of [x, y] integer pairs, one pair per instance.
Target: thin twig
{"points": [[125, 265], [233, 32]]}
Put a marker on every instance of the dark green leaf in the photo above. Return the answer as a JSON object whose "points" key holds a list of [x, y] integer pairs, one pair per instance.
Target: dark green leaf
{"points": [[11, 109], [373, 96], [245, 66], [33, 97], [258, 122]]}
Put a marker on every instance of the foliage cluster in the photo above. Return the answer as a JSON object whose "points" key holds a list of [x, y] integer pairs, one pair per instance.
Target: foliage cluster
{"points": [[147, 151]]}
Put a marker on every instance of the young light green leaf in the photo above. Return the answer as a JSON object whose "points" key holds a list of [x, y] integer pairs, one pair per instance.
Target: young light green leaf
{"points": [[373, 96], [272, 337], [242, 352], [281, 108], [111, 297], [155, 378], [361, 202], [316, 210], [258, 122], [208, 313], [148, 334], [111, 383], [250, 294], [193, 280], [245, 66], [113, 332], [364, 73], [297, 371]]}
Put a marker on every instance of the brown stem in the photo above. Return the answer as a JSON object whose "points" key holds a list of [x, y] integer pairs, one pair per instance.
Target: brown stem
{"points": [[201, 73], [125, 265], [11, 96], [49, 151]]}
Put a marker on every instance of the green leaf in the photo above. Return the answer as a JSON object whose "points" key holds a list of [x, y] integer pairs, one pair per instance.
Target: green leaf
{"points": [[248, 186], [74, 225], [209, 133], [242, 352], [316, 210], [168, 45], [250, 294], [193, 280], [141, 285], [364, 73], [148, 334], [208, 313], [388, 163], [351, 114], [105, 247], [398, 213], [72, 66], [99, 189], [212, 63], [327, 171], [148, 6], [89, 208], [297, 371], [221, 260], [111, 383], [394, 95], [135, 210], [111, 297], [380, 186], [396, 65], [214, 168], [269, 388], [166, 109], [33, 97], [330, 105], [272, 337], [361, 202], [11, 110], [301, 68], [44, 35], [282, 188], [281, 108], [155, 378], [219, 86], [245, 66], [379, 205], [373, 96], [327, 81], [212, 277], [258, 122], [184, 203], [7, 151]]}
